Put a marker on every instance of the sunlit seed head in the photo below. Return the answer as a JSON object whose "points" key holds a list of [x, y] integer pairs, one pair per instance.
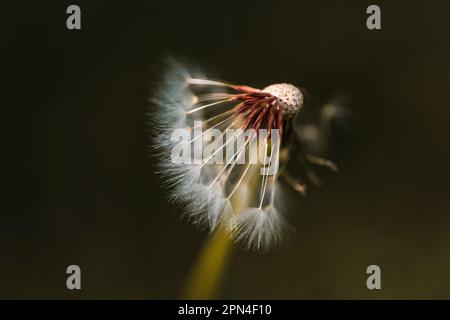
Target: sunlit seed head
{"points": [[289, 97]]}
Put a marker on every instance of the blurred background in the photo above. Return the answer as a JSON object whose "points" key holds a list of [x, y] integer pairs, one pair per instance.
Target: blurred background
{"points": [[80, 183]]}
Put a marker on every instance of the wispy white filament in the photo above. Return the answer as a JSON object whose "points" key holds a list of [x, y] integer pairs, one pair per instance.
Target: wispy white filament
{"points": [[208, 192]]}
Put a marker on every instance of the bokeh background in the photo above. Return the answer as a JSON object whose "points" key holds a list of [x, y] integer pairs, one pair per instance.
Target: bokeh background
{"points": [[81, 187]]}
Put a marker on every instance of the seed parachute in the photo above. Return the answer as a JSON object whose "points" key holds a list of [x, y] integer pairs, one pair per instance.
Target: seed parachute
{"points": [[239, 193]]}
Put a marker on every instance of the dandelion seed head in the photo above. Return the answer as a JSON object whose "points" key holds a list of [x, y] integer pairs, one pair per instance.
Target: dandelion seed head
{"points": [[289, 97], [235, 196]]}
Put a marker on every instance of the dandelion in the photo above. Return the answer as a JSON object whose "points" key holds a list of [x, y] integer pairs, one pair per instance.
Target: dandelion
{"points": [[239, 196]]}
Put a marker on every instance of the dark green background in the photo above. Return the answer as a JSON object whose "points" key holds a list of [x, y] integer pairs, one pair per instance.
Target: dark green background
{"points": [[81, 189]]}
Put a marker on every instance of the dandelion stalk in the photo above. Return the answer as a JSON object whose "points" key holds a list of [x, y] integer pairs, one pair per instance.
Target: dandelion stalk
{"points": [[210, 268]]}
